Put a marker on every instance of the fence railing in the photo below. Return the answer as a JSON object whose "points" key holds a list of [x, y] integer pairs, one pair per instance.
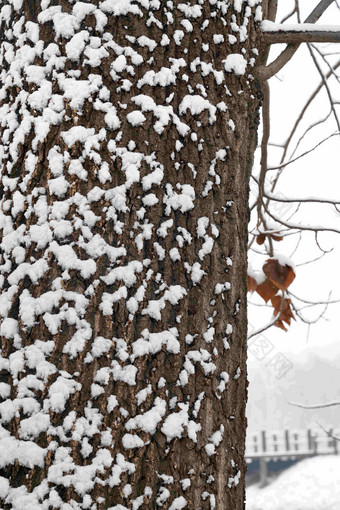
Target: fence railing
{"points": [[291, 443]]}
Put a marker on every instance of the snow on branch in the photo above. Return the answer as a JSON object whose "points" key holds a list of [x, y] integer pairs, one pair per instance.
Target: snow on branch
{"points": [[270, 26], [265, 72], [274, 33]]}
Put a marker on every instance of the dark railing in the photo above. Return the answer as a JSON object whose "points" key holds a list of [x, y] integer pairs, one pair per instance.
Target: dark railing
{"points": [[281, 445], [291, 443]]}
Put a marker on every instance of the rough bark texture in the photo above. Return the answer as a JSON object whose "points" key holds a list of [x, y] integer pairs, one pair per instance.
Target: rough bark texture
{"points": [[127, 133]]}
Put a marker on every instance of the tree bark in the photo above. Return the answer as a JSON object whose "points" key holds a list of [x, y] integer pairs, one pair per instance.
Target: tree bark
{"points": [[127, 138]]}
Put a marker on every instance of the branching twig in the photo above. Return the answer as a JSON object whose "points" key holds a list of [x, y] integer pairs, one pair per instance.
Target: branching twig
{"points": [[283, 165], [304, 109], [301, 227], [271, 323], [314, 303], [316, 63]]}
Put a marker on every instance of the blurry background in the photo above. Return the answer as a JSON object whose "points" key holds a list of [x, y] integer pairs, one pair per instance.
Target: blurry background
{"points": [[303, 364]]}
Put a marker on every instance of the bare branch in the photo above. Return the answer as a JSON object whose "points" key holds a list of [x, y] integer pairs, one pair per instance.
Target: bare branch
{"points": [[301, 227], [272, 10], [310, 321], [264, 155], [304, 153], [323, 56], [265, 137], [289, 15], [311, 261], [269, 9], [297, 245], [316, 63], [302, 200], [279, 145], [328, 432], [318, 11], [319, 246], [269, 325], [266, 72], [314, 406], [309, 129], [304, 109], [314, 303]]}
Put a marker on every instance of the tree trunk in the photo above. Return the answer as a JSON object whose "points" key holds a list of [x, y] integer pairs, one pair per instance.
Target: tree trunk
{"points": [[128, 131]]}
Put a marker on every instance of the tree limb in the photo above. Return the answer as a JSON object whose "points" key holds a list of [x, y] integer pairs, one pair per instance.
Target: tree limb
{"points": [[264, 154], [293, 36], [266, 72], [272, 10]]}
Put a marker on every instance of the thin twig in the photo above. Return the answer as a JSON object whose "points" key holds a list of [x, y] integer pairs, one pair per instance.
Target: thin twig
{"points": [[329, 433], [304, 153], [313, 303], [316, 63], [315, 48], [310, 261], [288, 15], [301, 227], [272, 322], [308, 129], [304, 109]]}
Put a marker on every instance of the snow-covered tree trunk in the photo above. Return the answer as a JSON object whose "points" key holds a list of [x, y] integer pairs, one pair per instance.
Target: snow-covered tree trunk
{"points": [[127, 134]]}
